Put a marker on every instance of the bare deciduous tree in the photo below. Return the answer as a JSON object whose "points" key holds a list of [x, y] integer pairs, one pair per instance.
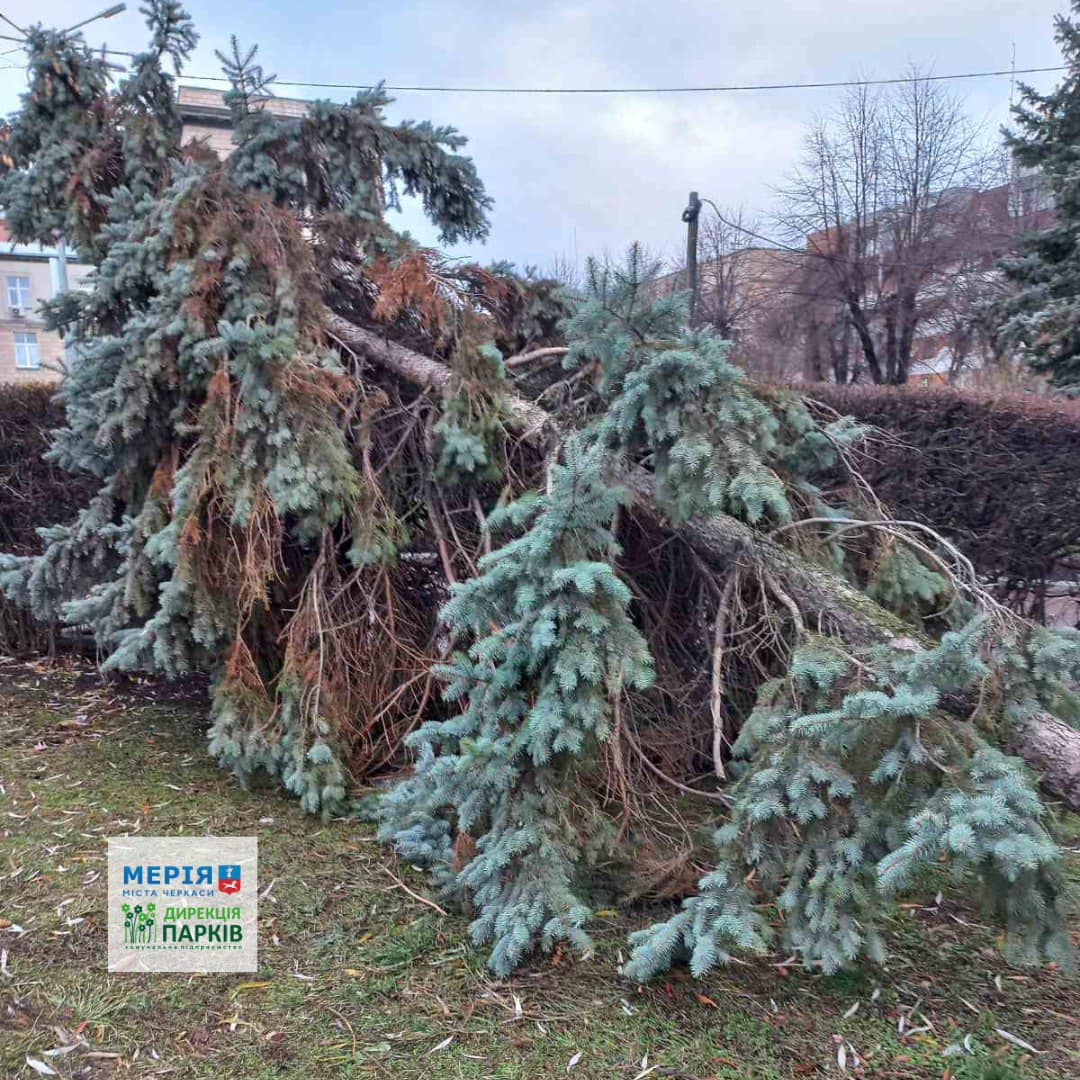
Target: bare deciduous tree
{"points": [[749, 292], [726, 294], [886, 202]]}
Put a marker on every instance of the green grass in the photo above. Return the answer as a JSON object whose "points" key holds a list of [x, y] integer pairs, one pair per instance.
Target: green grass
{"points": [[359, 979]]}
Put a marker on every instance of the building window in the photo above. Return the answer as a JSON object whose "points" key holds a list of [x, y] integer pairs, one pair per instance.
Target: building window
{"points": [[18, 291], [27, 357]]}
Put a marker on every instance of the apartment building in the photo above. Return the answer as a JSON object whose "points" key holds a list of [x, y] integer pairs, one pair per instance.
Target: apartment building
{"points": [[955, 263], [30, 274], [207, 119]]}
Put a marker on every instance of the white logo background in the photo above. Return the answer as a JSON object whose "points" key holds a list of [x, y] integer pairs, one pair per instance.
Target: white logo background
{"points": [[168, 936]]}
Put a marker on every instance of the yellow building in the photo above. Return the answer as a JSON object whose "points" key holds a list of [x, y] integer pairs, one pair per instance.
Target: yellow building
{"points": [[207, 119], [29, 274]]}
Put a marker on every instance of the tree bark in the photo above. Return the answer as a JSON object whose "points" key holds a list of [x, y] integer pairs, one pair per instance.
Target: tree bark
{"points": [[1049, 746], [1052, 749], [866, 339]]}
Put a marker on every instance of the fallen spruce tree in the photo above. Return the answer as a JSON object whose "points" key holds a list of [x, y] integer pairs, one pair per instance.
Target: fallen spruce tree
{"points": [[338, 473]]}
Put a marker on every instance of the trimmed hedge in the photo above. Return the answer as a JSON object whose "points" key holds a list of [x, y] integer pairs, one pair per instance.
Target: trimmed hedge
{"points": [[33, 492], [997, 473]]}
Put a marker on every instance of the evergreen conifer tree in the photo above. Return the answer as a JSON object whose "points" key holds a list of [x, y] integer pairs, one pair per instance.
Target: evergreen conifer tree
{"points": [[289, 491], [1042, 316], [856, 776], [204, 395], [857, 783], [551, 642]]}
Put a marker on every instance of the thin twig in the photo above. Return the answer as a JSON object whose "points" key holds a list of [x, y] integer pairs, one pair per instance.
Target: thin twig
{"points": [[535, 354], [712, 796], [786, 600], [717, 690], [415, 895]]}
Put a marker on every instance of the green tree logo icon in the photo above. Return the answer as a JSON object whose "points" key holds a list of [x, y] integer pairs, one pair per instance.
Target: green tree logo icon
{"points": [[140, 926]]}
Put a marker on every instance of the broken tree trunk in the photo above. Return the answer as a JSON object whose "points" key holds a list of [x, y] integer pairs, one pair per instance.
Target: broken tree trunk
{"points": [[1052, 749], [1049, 746]]}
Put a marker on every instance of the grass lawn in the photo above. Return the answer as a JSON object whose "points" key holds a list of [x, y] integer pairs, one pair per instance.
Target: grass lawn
{"points": [[359, 978]]}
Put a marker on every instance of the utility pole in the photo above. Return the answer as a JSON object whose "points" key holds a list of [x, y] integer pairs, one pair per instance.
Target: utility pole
{"points": [[690, 215]]}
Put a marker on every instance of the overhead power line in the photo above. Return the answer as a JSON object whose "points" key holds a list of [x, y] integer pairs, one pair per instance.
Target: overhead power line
{"points": [[14, 26], [734, 88], [1011, 72]]}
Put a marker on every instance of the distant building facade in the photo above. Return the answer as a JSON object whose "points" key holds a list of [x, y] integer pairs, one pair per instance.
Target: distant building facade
{"points": [[782, 311], [207, 119], [974, 229], [30, 274]]}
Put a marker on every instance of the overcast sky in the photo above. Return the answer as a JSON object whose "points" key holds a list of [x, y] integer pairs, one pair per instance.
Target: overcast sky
{"points": [[578, 174]]}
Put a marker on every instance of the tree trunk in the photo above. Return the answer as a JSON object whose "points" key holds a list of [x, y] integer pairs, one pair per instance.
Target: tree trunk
{"points": [[866, 341], [1050, 747], [840, 349], [890, 306], [909, 317]]}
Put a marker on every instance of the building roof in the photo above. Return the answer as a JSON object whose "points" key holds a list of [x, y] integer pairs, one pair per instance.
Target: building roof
{"points": [[9, 249], [207, 106]]}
